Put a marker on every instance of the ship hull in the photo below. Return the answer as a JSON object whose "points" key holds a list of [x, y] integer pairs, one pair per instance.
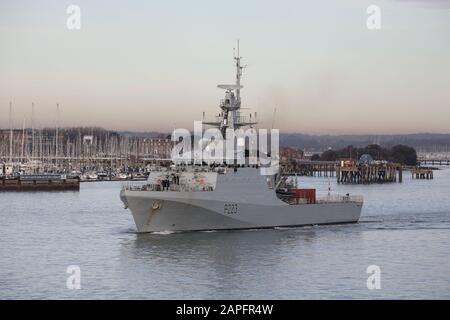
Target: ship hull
{"points": [[167, 211]]}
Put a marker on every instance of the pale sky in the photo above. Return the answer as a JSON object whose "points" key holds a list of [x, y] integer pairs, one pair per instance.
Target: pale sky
{"points": [[154, 65]]}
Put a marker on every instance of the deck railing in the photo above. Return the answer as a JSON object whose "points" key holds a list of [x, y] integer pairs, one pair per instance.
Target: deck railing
{"points": [[336, 198]]}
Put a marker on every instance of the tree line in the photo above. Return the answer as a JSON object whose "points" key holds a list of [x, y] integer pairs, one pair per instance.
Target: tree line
{"points": [[399, 154]]}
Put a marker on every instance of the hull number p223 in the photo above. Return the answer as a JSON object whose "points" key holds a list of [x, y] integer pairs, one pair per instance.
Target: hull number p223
{"points": [[230, 208]]}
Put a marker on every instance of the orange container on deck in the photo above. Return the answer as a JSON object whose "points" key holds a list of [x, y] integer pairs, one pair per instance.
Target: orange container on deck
{"points": [[308, 194]]}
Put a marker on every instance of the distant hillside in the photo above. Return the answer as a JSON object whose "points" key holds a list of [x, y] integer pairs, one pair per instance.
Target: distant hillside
{"points": [[432, 142], [420, 141]]}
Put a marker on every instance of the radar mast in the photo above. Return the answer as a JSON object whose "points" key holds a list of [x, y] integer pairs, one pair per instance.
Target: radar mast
{"points": [[230, 116]]}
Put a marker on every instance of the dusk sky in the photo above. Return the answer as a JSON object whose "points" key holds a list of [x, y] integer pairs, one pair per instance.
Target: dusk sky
{"points": [[154, 65]]}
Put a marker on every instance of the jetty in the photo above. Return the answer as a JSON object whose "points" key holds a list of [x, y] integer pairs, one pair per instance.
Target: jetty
{"points": [[369, 173], [346, 171], [422, 173], [46, 182], [434, 161], [303, 167]]}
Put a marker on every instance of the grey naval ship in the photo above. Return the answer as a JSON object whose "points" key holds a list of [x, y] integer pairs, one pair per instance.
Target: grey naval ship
{"points": [[190, 197]]}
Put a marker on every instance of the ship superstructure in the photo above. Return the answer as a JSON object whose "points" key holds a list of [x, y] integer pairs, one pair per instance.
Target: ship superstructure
{"points": [[230, 116]]}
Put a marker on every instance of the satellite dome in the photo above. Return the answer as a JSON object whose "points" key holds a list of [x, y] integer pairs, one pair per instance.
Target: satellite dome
{"points": [[366, 159]]}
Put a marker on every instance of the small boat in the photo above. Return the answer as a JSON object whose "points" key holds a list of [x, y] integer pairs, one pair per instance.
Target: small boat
{"points": [[121, 176], [90, 176]]}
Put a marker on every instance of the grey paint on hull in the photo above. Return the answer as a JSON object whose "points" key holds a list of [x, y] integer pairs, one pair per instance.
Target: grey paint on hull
{"points": [[241, 200], [158, 211]]}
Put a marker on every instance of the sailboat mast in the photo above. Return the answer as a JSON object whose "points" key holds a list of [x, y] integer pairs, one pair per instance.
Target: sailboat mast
{"points": [[23, 140], [57, 133], [32, 132], [10, 132]]}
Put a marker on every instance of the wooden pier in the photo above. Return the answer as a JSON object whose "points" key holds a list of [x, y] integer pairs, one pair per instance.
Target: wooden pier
{"points": [[366, 174], [347, 171], [310, 168], [422, 173], [39, 184], [434, 162]]}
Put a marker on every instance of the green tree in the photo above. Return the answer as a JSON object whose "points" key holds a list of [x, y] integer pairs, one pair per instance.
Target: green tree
{"points": [[329, 155], [404, 155]]}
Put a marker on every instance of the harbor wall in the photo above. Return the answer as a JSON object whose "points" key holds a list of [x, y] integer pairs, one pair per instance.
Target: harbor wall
{"points": [[39, 184]]}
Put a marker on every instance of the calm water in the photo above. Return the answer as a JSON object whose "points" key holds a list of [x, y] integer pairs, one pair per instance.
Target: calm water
{"points": [[405, 230]]}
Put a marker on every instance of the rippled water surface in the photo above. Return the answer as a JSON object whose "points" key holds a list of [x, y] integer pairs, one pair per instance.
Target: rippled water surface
{"points": [[404, 229]]}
